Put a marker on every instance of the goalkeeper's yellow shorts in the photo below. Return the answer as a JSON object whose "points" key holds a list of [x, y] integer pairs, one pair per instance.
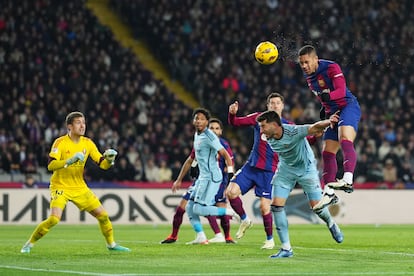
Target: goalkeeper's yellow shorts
{"points": [[84, 199]]}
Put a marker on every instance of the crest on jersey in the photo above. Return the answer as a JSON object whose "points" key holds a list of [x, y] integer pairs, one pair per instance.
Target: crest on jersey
{"points": [[321, 83]]}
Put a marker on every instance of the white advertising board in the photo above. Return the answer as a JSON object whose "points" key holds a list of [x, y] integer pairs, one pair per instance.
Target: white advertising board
{"points": [[157, 206]]}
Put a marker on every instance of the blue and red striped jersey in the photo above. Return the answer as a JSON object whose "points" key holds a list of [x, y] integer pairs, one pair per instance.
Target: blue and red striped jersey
{"points": [[261, 155], [330, 78]]}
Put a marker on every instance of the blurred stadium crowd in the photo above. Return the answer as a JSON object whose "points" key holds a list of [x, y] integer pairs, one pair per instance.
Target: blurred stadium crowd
{"points": [[55, 57]]}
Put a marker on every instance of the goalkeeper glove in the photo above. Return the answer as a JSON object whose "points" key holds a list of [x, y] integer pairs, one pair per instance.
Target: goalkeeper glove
{"points": [[325, 97], [110, 155], [77, 156]]}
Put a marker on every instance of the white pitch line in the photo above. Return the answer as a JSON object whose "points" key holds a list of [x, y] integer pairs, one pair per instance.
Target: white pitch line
{"points": [[357, 251], [197, 274]]}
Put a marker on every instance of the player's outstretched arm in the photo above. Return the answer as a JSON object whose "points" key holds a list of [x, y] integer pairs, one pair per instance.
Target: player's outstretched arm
{"points": [[60, 164], [320, 126], [184, 170]]}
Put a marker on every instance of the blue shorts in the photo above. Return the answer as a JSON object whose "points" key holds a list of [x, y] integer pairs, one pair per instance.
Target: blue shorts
{"points": [[187, 194], [349, 116], [285, 180], [205, 191], [248, 177], [220, 196]]}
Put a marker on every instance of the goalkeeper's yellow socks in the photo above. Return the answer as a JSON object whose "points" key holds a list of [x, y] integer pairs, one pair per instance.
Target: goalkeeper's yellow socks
{"points": [[43, 228], [106, 228]]}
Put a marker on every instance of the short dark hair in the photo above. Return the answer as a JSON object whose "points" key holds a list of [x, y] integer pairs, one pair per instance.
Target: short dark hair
{"points": [[306, 50], [216, 120], [269, 116], [71, 116], [202, 111], [275, 95]]}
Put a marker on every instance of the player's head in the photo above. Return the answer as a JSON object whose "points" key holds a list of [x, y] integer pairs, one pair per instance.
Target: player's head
{"points": [[72, 116], [308, 59], [216, 126], [75, 122], [269, 122], [275, 102], [201, 117]]}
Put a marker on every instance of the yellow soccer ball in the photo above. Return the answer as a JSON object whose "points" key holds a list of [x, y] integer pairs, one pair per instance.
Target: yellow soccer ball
{"points": [[266, 53]]}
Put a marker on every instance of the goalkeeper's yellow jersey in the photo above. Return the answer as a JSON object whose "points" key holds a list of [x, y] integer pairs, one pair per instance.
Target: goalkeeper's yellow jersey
{"points": [[71, 177]]}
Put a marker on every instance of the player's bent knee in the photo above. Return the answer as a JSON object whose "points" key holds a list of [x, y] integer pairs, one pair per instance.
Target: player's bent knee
{"points": [[199, 210], [264, 210], [103, 217], [231, 194], [276, 209], [53, 220]]}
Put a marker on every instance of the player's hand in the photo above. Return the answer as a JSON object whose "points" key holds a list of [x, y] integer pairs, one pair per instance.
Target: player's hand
{"points": [[322, 114], [325, 97], [176, 185], [233, 108], [110, 155], [77, 156], [334, 119]]}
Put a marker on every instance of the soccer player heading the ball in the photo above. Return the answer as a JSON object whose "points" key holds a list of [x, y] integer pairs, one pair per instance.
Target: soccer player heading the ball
{"points": [[326, 80], [67, 159], [297, 164]]}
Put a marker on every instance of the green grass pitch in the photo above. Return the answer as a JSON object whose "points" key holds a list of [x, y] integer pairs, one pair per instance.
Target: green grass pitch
{"points": [[80, 250]]}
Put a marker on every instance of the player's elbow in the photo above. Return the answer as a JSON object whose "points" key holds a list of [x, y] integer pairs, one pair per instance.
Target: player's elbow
{"points": [[52, 165]]}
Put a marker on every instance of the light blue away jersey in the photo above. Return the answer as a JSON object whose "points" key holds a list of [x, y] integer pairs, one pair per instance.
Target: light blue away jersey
{"points": [[206, 146], [293, 148]]}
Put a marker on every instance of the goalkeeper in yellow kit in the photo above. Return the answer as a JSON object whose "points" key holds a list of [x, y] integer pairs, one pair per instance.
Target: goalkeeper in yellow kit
{"points": [[67, 160]]}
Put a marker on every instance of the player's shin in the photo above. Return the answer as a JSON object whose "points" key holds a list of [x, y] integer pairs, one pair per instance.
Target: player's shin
{"points": [[43, 228], [330, 167], [325, 216], [281, 223], [106, 227]]}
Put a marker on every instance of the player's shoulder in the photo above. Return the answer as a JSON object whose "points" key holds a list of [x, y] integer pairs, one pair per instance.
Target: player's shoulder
{"points": [[330, 64], [86, 139], [210, 134], [224, 142], [289, 126], [326, 61], [61, 139], [290, 129], [55, 147]]}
